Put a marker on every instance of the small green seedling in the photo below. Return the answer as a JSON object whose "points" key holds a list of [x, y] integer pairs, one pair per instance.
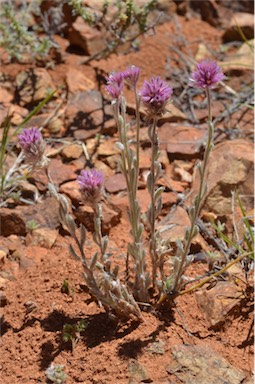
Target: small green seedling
{"points": [[72, 332], [65, 288], [31, 225]]}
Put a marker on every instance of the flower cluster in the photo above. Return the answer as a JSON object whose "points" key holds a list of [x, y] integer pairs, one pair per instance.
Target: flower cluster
{"points": [[91, 185], [131, 75], [155, 95], [115, 84], [206, 75], [115, 80], [32, 145]]}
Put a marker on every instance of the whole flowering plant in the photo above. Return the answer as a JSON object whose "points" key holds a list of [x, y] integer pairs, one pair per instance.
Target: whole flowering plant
{"points": [[101, 278], [206, 75], [129, 164], [33, 146], [155, 94]]}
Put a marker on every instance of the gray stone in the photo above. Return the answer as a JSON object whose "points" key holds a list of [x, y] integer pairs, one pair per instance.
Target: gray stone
{"points": [[138, 373], [231, 166], [13, 221], [218, 301], [201, 364]]}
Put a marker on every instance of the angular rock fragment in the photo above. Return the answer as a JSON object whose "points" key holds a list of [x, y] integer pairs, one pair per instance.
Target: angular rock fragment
{"points": [[231, 167], [201, 364], [218, 301]]}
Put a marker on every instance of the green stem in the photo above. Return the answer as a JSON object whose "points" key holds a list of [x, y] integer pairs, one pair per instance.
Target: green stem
{"points": [[137, 114], [199, 197], [154, 148], [128, 164], [98, 230]]}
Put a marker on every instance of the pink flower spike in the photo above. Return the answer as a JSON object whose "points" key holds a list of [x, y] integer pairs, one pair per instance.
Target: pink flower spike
{"points": [[91, 185], [155, 94], [115, 84], [114, 90], [32, 145], [131, 75], [206, 75], [115, 77]]}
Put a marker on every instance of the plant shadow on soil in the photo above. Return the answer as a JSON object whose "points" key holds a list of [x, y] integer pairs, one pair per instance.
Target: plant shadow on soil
{"points": [[99, 330]]}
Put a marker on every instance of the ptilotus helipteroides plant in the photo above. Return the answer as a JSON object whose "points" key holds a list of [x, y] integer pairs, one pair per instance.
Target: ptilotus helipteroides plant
{"points": [[206, 76], [154, 95], [129, 164], [101, 280], [100, 277]]}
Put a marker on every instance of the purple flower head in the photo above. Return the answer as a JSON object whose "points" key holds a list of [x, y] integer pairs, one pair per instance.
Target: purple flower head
{"points": [[91, 185], [115, 84], [115, 77], [206, 75], [131, 75], [32, 144], [155, 94], [114, 90]]}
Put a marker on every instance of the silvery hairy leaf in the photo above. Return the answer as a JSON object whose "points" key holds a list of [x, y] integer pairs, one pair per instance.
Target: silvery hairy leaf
{"points": [[157, 156], [105, 243], [196, 201], [187, 233], [150, 132], [131, 153], [132, 177], [140, 230], [96, 238], [158, 193], [149, 184], [191, 212], [158, 207], [115, 271], [195, 231], [83, 235], [120, 146], [93, 261], [53, 190], [63, 202], [158, 172], [199, 167], [131, 250], [70, 224], [97, 225], [62, 216], [149, 214], [121, 121], [73, 253], [179, 246], [135, 163]]}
